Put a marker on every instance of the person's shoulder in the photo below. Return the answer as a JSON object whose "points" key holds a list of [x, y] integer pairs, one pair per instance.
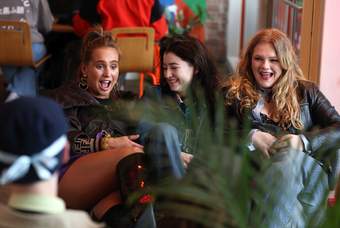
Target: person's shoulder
{"points": [[307, 85], [230, 81], [307, 88], [309, 92], [230, 85], [70, 95]]}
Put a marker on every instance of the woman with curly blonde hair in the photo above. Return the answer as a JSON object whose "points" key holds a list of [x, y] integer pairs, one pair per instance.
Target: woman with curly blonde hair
{"points": [[112, 155], [293, 124]]}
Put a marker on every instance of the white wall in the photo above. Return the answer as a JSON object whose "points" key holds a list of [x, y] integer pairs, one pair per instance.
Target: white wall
{"points": [[233, 31], [330, 55], [255, 12], [255, 19]]}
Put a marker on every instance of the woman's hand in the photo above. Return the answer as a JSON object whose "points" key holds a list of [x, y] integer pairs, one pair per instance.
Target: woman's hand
{"points": [[186, 159], [263, 141], [287, 142], [119, 142]]}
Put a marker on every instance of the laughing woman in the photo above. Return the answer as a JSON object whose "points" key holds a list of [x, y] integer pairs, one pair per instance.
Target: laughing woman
{"points": [[294, 126], [107, 163], [189, 78]]}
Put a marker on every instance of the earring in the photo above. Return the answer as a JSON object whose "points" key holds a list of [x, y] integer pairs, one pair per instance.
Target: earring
{"points": [[83, 82]]}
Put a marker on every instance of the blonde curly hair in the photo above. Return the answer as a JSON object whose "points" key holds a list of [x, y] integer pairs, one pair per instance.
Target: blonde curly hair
{"points": [[242, 87], [97, 37]]}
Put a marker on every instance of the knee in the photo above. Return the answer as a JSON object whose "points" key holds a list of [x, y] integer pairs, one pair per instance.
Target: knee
{"points": [[163, 130], [124, 152], [8, 72]]}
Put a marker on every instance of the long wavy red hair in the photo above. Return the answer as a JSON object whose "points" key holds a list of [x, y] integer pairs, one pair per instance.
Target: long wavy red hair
{"points": [[242, 87]]}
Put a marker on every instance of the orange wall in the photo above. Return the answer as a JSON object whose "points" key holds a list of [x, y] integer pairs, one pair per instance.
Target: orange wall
{"points": [[330, 55]]}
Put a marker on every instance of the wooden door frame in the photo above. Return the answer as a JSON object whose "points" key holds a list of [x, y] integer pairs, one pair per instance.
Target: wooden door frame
{"points": [[311, 38]]}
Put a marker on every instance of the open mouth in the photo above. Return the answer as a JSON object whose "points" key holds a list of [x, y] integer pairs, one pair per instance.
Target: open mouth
{"points": [[266, 75], [105, 84]]}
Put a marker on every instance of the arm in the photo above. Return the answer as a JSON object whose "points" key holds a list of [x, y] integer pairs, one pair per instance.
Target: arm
{"points": [[86, 17], [80, 26], [161, 28], [321, 122], [118, 142], [158, 21], [82, 143], [326, 123], [45, 17], [263, 142]]}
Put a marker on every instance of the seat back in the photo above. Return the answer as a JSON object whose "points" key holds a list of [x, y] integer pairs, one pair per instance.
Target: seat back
{"points": [[15, 44], [137, 48]]}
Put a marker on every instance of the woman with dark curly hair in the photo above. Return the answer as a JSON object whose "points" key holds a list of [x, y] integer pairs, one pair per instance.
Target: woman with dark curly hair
{"points": [[189, 78]]}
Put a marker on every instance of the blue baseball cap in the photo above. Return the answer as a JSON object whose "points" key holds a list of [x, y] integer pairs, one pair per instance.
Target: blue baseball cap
{"points": [[32, 138]]}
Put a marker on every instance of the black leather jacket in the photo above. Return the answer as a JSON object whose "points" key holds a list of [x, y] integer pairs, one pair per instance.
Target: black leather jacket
{"points": [[88, 117], [320, 120]]}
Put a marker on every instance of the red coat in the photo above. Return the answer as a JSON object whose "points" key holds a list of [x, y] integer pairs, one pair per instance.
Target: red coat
{"points": [[123, 13]]}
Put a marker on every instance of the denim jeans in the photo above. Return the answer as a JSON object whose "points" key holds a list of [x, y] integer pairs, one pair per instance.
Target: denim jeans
{"points": [[162, 150], [296, 186], [24, 80]]}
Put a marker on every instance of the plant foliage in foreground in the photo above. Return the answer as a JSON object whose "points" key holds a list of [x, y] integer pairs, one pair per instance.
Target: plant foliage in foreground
{"points": [[218, 189]]}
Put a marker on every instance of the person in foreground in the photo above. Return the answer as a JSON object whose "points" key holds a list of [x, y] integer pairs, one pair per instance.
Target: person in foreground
{"points": [[107, 161], [33, 146], [293, 125]]}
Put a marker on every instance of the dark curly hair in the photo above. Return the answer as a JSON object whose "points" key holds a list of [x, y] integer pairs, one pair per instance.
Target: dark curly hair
{"points": [[193, 51]]}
